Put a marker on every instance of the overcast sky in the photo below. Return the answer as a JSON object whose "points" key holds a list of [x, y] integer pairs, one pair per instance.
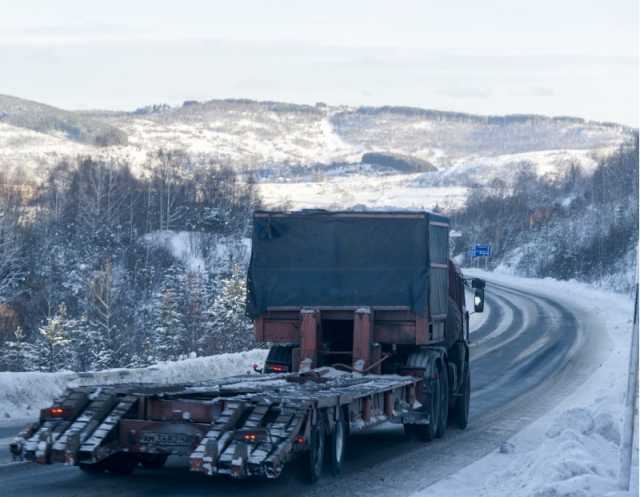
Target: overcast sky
{"points": [[558, 57]]}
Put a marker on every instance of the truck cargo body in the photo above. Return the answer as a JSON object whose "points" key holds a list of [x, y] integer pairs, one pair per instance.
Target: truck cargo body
{"points": [[394, 265]]}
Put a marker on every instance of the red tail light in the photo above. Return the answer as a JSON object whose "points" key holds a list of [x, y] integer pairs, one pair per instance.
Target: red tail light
{"points": [[300, 439], [277, 368], [56, 412], [251, 436]]}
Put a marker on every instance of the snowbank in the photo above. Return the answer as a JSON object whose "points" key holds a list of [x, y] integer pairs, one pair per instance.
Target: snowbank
{"points": [[22, 395], [573, 450]]}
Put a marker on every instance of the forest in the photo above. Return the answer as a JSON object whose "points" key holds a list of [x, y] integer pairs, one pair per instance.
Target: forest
{"points": [[103, 268], [578, 226]]}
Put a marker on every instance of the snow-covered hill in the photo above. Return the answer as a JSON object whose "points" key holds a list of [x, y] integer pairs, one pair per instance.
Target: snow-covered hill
{"points": [[271, 138]]}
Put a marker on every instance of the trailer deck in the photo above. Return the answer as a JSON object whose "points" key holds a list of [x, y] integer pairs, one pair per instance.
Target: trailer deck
{"points": [[239, 426]]}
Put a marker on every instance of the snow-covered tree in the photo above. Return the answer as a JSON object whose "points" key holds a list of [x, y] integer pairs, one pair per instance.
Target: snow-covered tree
{"points": [[229, 329], [195, 307], [52, 344], [19, 354], [168, 323]]}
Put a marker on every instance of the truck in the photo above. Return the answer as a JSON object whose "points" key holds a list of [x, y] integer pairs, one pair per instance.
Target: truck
{"points": [[366, 320]]}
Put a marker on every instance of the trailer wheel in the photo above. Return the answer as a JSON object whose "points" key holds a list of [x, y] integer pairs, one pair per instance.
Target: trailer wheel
{"points": [[443, 418], [152, 461], [316, 454], [461, 409], [92, 468], [121, 464], [337, 445]]}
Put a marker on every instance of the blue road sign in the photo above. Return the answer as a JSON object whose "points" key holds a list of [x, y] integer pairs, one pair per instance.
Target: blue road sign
{"points": [[481, 250]]}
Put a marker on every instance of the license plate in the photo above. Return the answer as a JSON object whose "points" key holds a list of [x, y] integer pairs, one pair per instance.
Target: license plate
{"points": [[165, 439]]}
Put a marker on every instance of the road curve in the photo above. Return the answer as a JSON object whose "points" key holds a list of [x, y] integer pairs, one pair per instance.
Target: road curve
{"points": [[527, 354]]}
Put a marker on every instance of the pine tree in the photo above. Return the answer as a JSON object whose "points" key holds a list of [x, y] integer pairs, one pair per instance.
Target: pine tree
{"points": [[229, 329], [87, 346], [108, 347], [168, 328], [18, 354], [194, 312], [53, 341]]}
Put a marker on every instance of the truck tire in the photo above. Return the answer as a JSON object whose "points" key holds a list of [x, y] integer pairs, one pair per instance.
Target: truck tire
{"points": [[92, 468], [337, 445], [121, 463], [316, 454], [443, 419], [461, 409], [152, 461], [424, 359]]}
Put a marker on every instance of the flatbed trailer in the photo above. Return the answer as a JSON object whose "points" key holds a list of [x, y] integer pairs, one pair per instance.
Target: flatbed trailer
{"points": [[367, 322], [240, 426]]}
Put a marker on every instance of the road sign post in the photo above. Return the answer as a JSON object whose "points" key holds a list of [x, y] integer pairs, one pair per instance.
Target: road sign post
{"points": [[481, 250]]}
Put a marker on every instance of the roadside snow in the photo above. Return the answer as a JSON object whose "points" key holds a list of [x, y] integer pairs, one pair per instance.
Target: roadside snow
{"points": [[22, 395], [573, 450]]}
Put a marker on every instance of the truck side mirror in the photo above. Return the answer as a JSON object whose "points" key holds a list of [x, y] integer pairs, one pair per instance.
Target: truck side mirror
{"points": [[478, 300]]}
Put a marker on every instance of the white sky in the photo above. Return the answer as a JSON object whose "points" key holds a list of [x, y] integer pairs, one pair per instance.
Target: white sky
{"points": [[559, 57]]}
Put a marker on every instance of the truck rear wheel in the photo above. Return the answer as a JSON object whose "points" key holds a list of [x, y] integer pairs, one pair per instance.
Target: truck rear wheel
{"points": [[92, 468], [461, 409], [122, 463], [432, 386], [153, 461], [316, 454]]}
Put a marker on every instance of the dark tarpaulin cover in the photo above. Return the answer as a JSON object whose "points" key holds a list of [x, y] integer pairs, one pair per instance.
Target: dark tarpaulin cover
{"points": [[335, 259]]}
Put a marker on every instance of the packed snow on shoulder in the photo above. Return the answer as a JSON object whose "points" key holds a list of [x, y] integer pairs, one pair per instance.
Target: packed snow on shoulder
{"points": [[573, 450], [22, 395]]}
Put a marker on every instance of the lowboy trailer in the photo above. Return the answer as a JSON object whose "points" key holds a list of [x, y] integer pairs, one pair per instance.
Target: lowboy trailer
{"points": [[240, 426], [367, 322]]}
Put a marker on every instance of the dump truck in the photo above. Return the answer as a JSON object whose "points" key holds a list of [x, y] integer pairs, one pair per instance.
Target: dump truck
{"points": [[366, 318]]}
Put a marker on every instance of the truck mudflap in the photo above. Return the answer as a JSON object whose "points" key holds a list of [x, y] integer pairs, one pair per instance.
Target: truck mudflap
{"points": [[240, 426]]}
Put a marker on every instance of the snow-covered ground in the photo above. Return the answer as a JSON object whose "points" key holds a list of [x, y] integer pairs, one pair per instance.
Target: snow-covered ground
{"points": [[375, 192], [22, 395], [573, 450]]}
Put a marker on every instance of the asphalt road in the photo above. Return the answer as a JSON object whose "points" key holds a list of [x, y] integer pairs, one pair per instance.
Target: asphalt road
{"points": [[527, 354]]}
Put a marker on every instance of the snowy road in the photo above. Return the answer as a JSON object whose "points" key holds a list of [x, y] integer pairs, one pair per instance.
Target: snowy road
{"points": [[528, 353]]}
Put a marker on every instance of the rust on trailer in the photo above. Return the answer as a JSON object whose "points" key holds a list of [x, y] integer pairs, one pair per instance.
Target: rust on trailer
{"points": [[400, 333], [384, 326], [362, 338], [144, 436], [164, 410], [239, 426], [309, 336]]}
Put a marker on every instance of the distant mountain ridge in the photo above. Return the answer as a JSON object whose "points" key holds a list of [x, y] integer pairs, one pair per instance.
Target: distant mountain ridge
{"points": [[51, 120], [271, 136], [432, 114]]}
